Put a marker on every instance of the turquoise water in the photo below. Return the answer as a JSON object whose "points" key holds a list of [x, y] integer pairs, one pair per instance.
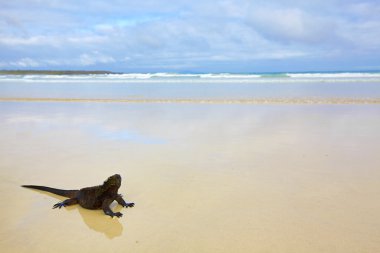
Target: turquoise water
{"points": [[194, 86]]}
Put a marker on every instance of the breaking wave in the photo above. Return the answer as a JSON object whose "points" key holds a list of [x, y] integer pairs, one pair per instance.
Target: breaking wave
{"points": [[201, 78]]}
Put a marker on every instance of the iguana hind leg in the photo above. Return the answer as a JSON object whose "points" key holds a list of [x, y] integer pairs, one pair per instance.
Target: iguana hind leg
{"points": [[67, 202]]}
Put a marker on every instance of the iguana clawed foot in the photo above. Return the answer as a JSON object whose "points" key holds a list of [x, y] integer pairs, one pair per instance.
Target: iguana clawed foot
{"points": [[129, 205], [59, 205], [112, 214]]}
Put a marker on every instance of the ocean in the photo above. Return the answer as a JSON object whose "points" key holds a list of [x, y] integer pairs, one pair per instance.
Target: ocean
{"points": [[348, 87], [214, 162]]}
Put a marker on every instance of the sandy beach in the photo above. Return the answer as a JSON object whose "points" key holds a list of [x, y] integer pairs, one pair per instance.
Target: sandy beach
{"points": [[204, 177], [236, 126]]}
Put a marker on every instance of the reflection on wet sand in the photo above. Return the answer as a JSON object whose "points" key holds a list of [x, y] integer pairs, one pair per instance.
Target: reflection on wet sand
{"points": [[94, 219], [97, 221], [204, 177]]}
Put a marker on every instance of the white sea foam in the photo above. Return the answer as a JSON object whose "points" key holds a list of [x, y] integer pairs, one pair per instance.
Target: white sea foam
{"points": [[334, 75], [200, 78]]}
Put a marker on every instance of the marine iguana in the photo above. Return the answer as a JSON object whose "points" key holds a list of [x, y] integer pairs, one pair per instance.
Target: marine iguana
{"points": [[95, 197]]}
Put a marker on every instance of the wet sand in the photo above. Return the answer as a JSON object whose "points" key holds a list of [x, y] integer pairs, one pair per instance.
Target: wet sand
{"points": [[204, 177]]}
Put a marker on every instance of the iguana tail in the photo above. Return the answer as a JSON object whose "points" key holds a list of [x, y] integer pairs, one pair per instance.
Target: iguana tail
{"points": [[64, 193]]}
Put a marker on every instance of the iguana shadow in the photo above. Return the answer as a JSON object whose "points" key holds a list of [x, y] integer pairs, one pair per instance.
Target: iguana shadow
{"points": [[97, 221], [94, 219]]}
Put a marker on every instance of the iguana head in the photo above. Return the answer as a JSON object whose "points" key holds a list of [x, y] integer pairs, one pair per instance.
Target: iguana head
{"points": [[113, 181]]}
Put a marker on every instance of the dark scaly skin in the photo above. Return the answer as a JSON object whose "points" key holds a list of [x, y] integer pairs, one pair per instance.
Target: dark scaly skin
{"points": [[95, 197]]}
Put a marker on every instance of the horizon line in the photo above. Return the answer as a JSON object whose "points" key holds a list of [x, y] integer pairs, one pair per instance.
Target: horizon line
{"points": [[84, 72]]}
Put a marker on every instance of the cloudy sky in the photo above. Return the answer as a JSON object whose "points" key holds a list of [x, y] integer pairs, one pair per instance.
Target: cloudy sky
{"points": [[190, 36]]}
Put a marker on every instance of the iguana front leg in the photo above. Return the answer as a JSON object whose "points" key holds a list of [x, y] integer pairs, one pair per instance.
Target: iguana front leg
{"points": [[122, 202], [107, 210], [67, 202]]}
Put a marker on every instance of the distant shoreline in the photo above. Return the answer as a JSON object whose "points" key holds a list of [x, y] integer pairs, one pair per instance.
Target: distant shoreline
{"points": [[55, 72], [160, 74]]}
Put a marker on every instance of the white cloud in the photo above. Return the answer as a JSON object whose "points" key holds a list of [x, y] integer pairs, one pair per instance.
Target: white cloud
{"points": [[94, 58], [364, 10], [289, 25], [51, 40], [24, 41], [25, 63], [183, 33], [85, 59], [363, 36]]}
